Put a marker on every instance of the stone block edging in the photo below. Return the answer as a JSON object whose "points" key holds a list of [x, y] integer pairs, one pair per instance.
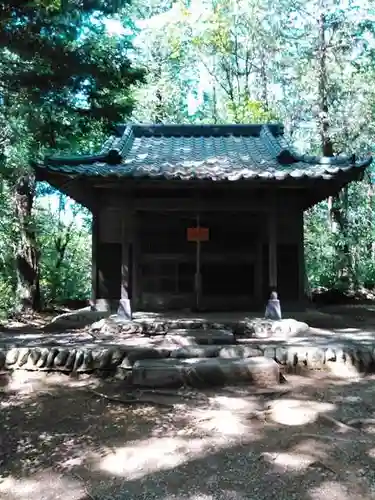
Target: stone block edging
{"points": [[122, 361]]}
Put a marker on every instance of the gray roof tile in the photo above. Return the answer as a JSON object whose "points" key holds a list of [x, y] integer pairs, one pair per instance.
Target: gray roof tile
{"points": [[224, 152]]}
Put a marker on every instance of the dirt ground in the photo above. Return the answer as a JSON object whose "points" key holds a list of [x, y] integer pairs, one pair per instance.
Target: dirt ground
{"points": [[66, 438], [61, 438]]}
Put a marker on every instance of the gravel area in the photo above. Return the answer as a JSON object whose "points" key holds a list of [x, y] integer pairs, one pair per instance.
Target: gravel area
{"points": [[61, 438]]}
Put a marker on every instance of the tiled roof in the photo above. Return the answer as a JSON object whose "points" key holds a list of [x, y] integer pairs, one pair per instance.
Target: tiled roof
{"points": [[216, 152]]}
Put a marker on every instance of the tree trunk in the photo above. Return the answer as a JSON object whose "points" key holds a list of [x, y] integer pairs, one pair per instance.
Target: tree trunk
{"points": [[27, 258], [370, 211], [214, 105], [159, 111], [264, 81], [61, 243], [327, 145], [338, 204]]}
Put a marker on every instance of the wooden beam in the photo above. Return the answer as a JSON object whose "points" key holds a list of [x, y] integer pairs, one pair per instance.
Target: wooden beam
{"points": [[176, 204], [180, 205], [322, 189], [204, 200], [131, 183], [77, 188]]}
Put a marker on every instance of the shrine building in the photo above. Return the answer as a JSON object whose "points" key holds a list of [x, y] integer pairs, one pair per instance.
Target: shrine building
{"points": [[201, 217]]}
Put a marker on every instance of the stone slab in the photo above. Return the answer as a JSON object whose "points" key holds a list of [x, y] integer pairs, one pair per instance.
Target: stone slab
{"points": [[217, 350], [198, 372], [240, 351], [196, 351], [176, 341], [79, 318], [255, 327], [204, 336], [277, 329], [139, 353]]}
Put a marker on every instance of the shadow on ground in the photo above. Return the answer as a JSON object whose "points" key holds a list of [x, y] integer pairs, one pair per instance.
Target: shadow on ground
{"points": [[61, 439]]}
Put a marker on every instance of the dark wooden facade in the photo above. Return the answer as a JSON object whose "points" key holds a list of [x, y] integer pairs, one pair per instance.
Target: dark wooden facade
{"points": [[141, 249], [142, 254]]}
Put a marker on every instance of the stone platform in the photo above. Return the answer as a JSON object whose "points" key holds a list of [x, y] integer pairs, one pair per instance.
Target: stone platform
{"points": [[186, 352]]}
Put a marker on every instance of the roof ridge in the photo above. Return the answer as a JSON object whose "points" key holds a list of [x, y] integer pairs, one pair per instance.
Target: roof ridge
{"points": [[126, 141], [199, 130], [107, 144], [272, 144]]}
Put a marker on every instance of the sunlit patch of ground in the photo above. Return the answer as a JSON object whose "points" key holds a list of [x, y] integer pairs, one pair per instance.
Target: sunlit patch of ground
{"points": [[45, 485], [144, 457], [59, 439]]}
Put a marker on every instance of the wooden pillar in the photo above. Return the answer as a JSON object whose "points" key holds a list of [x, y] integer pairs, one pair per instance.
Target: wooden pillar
{"points": [[301, 258], [106, 255], [125, 268], [125, 308], [135, 271], [198, 275], [272, 250], [94, 252], [259, 272]]}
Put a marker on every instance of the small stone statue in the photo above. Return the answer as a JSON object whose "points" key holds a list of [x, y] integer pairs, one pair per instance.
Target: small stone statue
{"points": [[124, 311], [273, 309]]}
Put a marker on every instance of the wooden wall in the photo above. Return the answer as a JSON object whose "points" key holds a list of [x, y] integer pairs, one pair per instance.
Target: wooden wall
{"points": [[110, 225], [112, 253], [155, 265], [290, 258]]}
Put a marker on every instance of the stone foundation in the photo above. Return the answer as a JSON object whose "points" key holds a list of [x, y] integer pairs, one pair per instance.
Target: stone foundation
{"points": [[253, 327], [190, 352], [236, 361]]}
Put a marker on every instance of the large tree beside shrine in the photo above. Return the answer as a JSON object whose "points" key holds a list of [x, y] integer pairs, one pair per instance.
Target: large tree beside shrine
{"points": [[64, 81]]}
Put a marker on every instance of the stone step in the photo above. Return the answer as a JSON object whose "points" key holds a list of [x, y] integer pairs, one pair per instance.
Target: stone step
{"points": [[216, 350], [203, 336], [251, 326], [206, 372]]}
